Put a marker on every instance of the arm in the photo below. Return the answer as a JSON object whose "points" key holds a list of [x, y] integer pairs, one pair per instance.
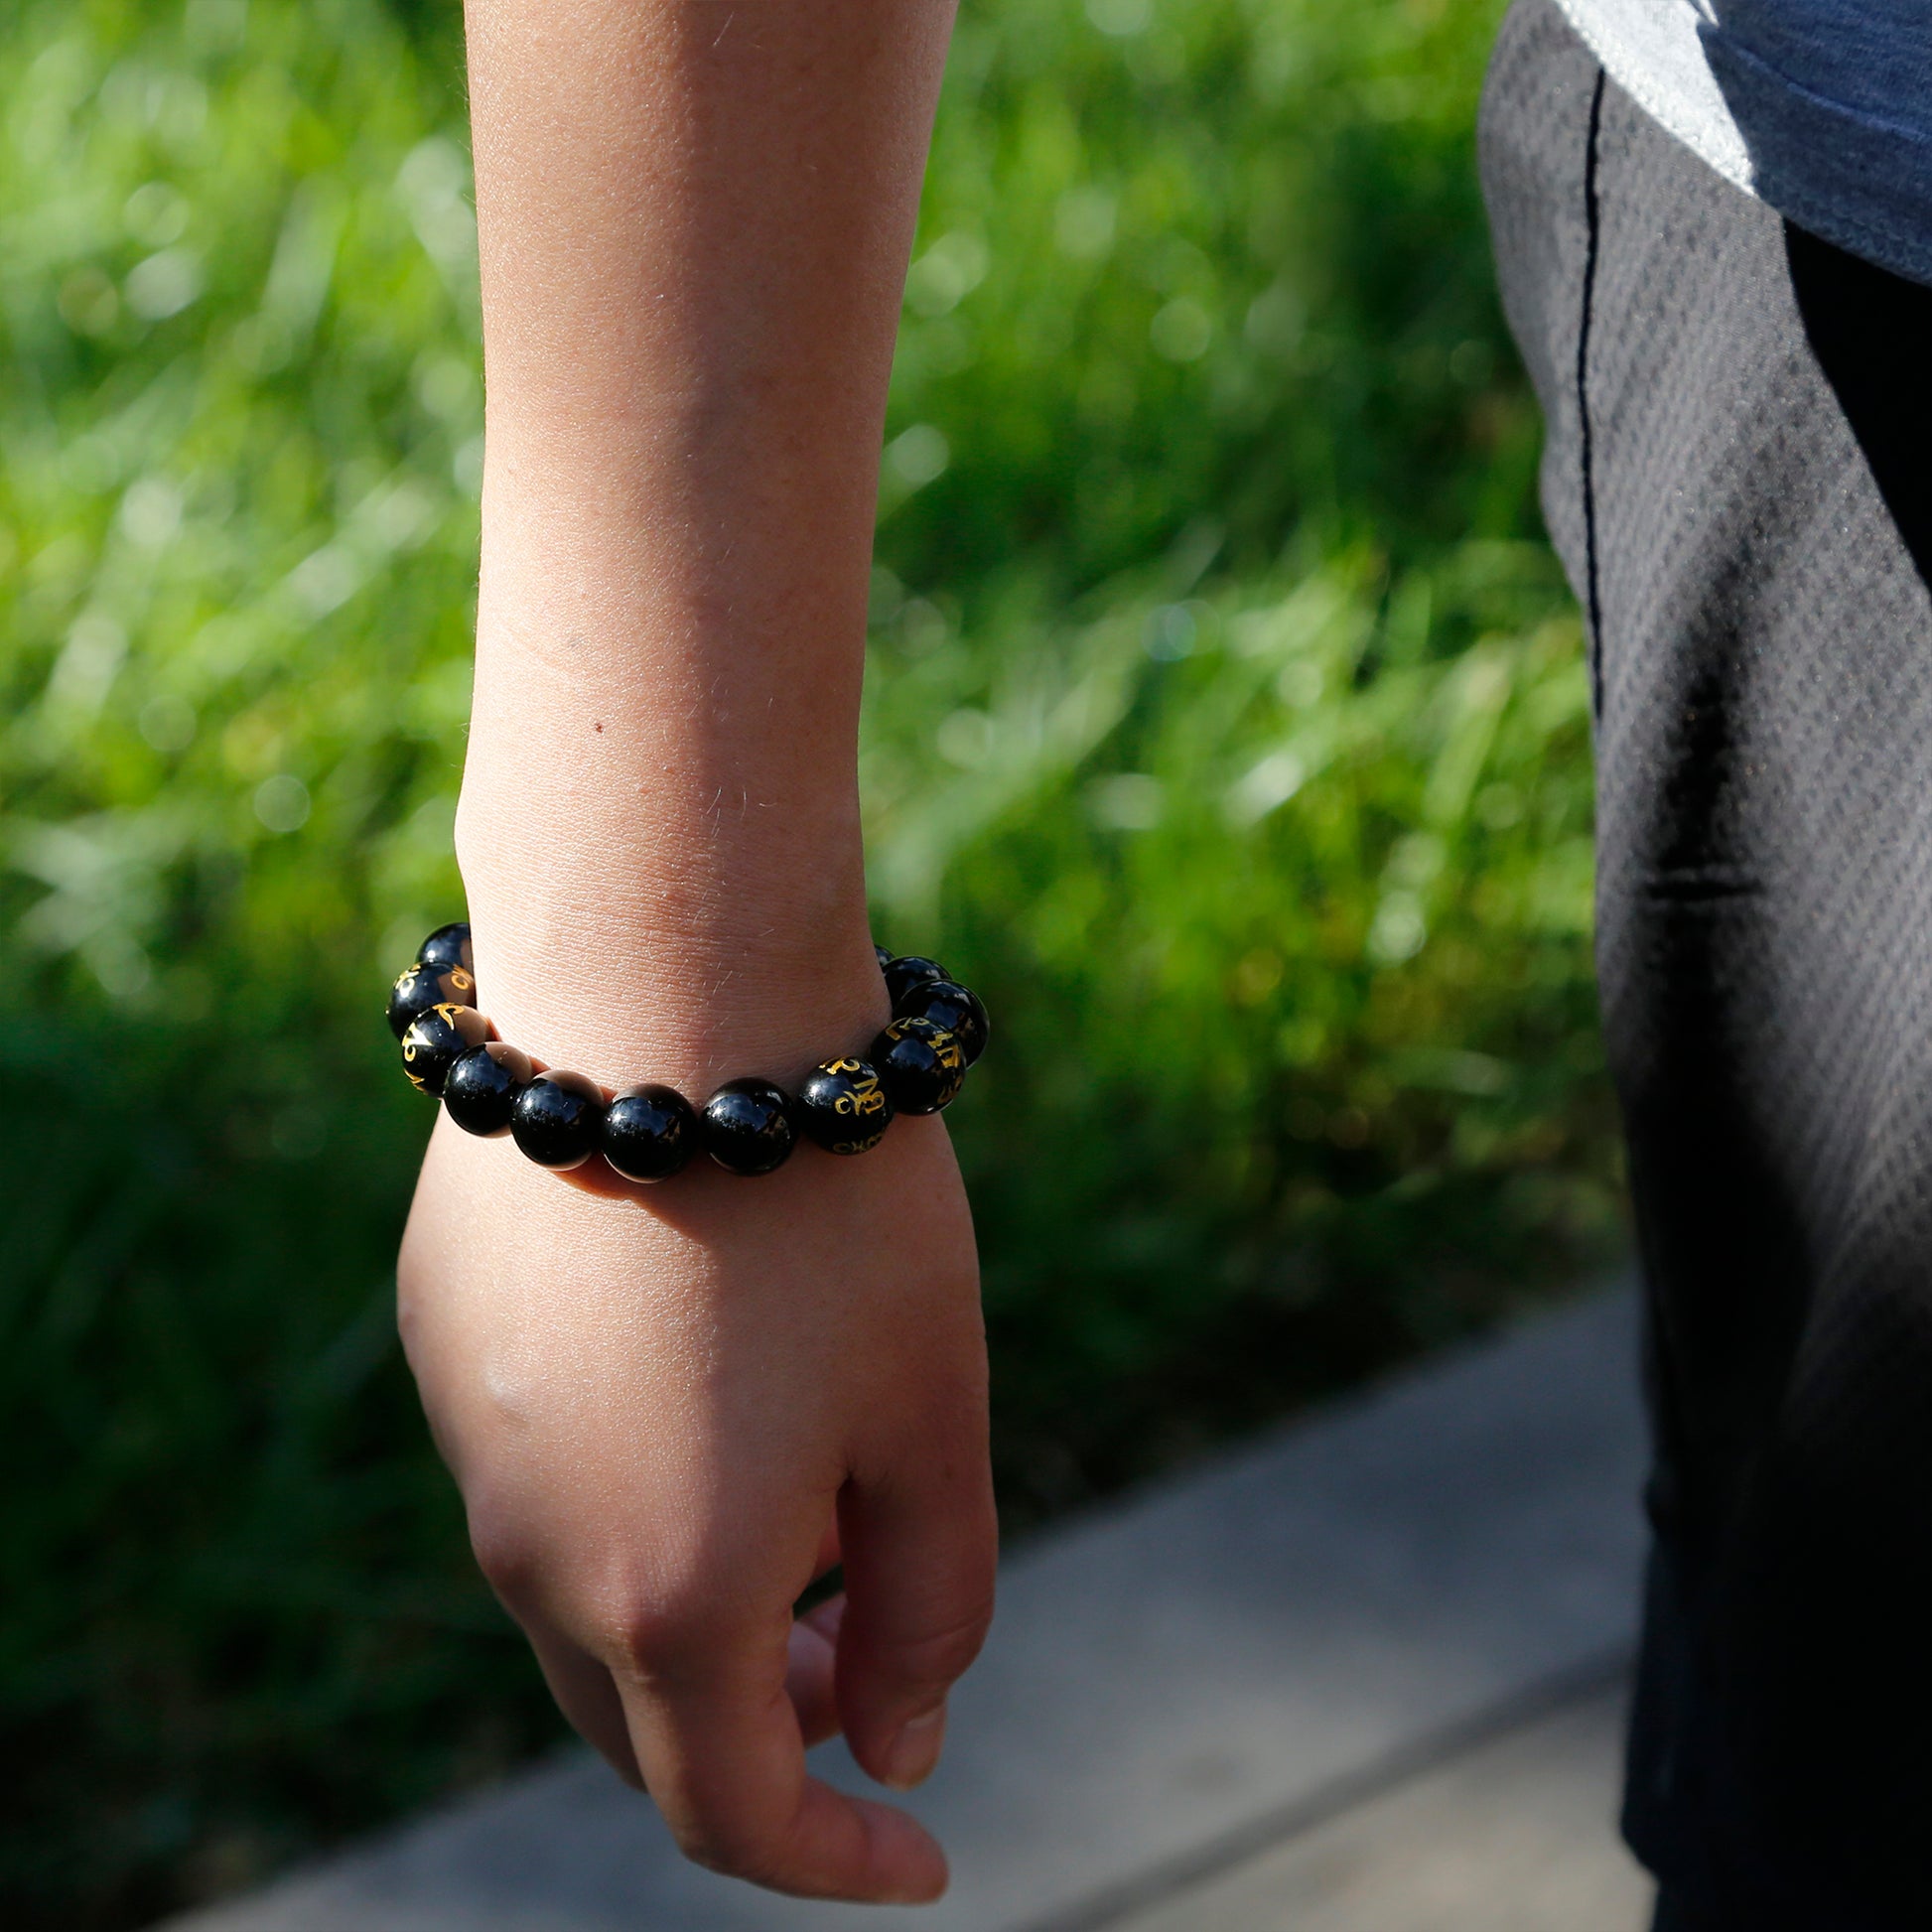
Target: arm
{"points": [[668, 1411]]}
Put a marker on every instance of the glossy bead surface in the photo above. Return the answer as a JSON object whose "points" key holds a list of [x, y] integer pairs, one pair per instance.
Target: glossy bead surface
{"points": [[420, 987], [745, 1126], [843, 1107], [556, 1119], [955, 1008], [649, 1132], [446, 946], [921, 1067], [479, 1090], [903, 975], [435, 1041]]}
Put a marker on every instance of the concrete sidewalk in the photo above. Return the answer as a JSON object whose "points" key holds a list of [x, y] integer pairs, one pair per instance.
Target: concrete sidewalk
{"points": [[1362, 1676]]}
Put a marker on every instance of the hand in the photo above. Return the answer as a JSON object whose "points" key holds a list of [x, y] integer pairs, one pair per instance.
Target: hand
{"points": [[670, 1410]]}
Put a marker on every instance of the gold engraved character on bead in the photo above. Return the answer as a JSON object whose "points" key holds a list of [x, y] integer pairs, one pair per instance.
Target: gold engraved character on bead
{"points": [[865, 1097], [449, 1009]]}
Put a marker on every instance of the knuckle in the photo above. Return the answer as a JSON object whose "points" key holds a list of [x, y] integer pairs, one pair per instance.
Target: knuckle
{"points": [[678, 1608], [655, 1640], [720, 1848], [733, 1848], [506, 1552], [935, 1657], [644, 1639]]}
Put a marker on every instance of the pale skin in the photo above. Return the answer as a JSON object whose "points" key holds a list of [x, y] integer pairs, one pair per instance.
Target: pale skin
{"points": [[669, 1410]]}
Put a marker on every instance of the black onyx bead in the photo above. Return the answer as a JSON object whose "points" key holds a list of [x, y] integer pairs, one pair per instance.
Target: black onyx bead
{"points": [[921, 1067], [435, 1041], [883, 958], [556, 1120], [903, 975], [479, 1090], [649, 1132], [957, 1009], [446, 946], [745, 1126], [420, 987], [843, 1107]]}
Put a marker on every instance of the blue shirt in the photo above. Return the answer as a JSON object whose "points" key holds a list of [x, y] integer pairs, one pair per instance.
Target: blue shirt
{"points": [[1821, 108]]}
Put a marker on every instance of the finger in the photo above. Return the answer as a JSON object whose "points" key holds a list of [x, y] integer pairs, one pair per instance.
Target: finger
{"points": [[723, 1755], [811, 1654], [920, 1550], [827, 1558], [826, 1618], [586, 1695]]}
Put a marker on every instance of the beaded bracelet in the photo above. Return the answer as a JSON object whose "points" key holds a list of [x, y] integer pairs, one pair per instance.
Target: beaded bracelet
{"points": [[648, 1133]]}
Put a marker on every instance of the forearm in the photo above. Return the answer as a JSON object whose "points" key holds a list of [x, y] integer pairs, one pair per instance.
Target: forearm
{"points": [[694, 222]]}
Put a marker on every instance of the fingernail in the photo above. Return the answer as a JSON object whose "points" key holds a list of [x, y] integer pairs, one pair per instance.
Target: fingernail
{"points": [[911, 1756]]}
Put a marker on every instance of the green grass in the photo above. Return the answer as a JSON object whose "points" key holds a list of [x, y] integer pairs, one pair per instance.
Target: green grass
{"points": [[1226, 725]]}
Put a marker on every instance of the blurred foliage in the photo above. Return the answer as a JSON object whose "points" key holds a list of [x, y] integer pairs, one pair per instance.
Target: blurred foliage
{"points": [[1226, 725]]}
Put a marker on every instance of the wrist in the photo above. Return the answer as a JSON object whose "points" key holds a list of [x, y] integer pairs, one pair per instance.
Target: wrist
{"points": [[660, 830], [645, 970]]}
